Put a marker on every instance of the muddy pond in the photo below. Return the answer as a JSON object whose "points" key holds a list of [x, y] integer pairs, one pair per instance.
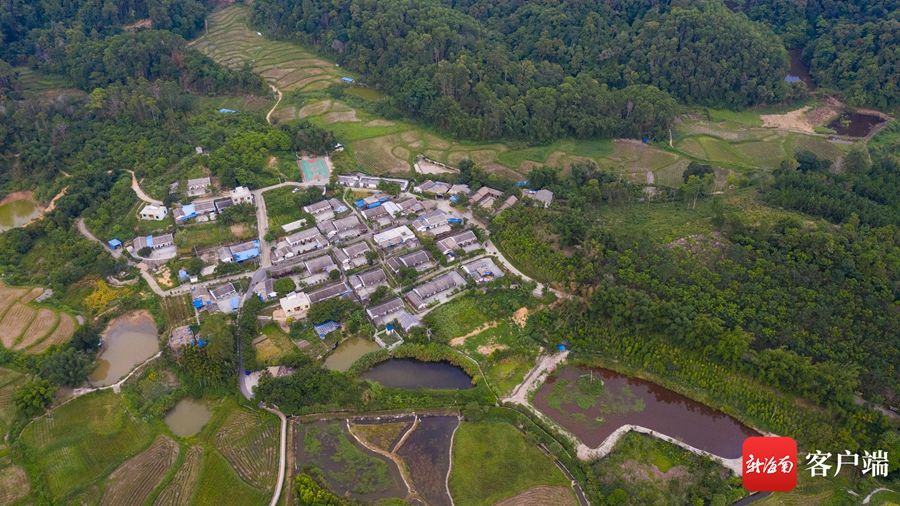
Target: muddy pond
{"points": [[18, 210], [855, 123], [593, 403], [348, 352], [127, 341], [798, 69], [412, 374], [188, 417]]}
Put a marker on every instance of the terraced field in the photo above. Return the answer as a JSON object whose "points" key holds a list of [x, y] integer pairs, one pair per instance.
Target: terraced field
{"points": [[23, 327], [287, 66], [133, 481], [9, 380], [183, 484], [248, 440]]}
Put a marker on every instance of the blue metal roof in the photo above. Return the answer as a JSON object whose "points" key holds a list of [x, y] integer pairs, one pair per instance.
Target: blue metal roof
{"points": [[325, 328], [225, 110], [114, 243], [235, 302], [246, 255], [347, 79], [360, 203]]}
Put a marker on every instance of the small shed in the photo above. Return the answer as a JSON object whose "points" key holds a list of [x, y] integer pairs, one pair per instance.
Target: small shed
{"points": [[348, 80], [225, 110], [325, 328], [114, 243]]}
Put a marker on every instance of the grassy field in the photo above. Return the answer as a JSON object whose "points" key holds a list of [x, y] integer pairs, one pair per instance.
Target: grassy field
{"points": [[282, 209], [9, 381], [643, 470], [275, 345], [24, 326], [457, 318], [505, 355], [212, 234], [492, 461], [177, 311], [81, 442]]}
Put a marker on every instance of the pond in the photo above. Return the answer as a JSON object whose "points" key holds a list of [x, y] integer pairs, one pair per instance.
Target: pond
{"points": [[411, 374], [855, 123], [576, 398], [349, 352], [188, 417], [17, 210], [799, 69], [127, 341]]}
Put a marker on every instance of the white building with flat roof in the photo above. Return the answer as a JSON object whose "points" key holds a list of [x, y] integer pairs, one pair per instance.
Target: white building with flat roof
{"points": [[295, 304], [154, 213]]}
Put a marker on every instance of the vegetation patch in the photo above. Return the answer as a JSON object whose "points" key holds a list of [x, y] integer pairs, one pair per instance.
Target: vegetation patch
{"points": [[184, 482], [220, 484], [493, 461]]}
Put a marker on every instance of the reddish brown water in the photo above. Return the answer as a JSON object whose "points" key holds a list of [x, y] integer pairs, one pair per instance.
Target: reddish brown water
{"points": [[799, 69], [855, 124], [640, 402]]}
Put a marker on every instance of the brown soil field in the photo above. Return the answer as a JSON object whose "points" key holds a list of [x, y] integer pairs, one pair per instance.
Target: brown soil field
{"points": [[133, 481], [380, 123], [14, 484], [61, 334], [461, 340], [520, 317], [43, 324], [31, 295], [340, 117], [249, 443], [314, 108], [181, 488], [8, 295], [491, 348], [559, 496], [16, 320]]}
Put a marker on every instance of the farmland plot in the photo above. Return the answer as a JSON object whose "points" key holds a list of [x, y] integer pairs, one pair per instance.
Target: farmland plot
{"points": [[134, 480], [383, 435], [44, 323], [183, 484], [14, 323], [63, 331], [249, 442], [426, 453]]}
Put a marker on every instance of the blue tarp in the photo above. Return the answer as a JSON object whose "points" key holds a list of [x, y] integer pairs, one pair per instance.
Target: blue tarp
{"points": [[246, 255], [183, 275], [360, 203], [373, 205], [198, 304], [224, 110], [325, 328], [561, 347], [149, 239], [201, 343], [791, 79], [348, 80], [189, 211], [114, 243], [235, 302], [454, 220], [454, 198]]}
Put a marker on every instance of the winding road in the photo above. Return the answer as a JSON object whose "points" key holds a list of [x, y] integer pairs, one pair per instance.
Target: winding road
{"points": [[280, 96], [140, 191]]}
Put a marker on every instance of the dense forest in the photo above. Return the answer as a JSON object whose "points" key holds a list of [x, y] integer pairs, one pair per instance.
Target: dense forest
{"points": [[808, 299], [851, 47]]}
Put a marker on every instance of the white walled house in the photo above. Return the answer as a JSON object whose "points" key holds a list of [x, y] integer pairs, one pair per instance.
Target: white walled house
{"points": [[154, 213]]}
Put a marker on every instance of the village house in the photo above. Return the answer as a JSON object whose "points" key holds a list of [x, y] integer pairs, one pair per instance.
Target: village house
{"points": [[325, 209], [385, 312], [432, 223], [298, 243], [352, 256], [437, 188], [359, 180], [153, 242], [482, 270], [226, 297], [265, 290], [395, 238], [239, 252], [295, 305], [241, 195], [365, 283], [202, 210], [316, 269], [419, 260], [342, 229], [222, 204], [378, 215], [544, 196], [329, 292], [485, 197], [411, 206], [151, 212], [423, 295], [466, 241], [459, 189], [509, 202], [198, 186]]}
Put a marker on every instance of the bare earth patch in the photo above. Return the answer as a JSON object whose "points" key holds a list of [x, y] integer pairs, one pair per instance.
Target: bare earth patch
{"points": [[461, 340], [43, 323], [340, 117], [380, 123], [314, 109], [804, 119], [491, 348], [558, 496], [239, 229], [520, 317], [636, 471]]}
